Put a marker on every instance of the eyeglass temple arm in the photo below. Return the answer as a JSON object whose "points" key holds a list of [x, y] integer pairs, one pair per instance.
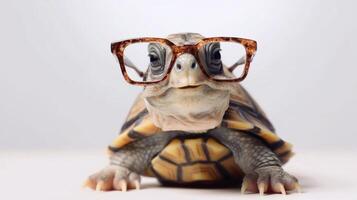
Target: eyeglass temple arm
{"points": [[127, 62], [235, 65]]}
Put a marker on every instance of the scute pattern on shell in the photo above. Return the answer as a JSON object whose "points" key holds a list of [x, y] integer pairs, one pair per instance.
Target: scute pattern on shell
{"points": [[195, 160]]}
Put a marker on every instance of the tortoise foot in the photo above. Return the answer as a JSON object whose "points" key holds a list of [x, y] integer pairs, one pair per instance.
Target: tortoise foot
{"points": [[113, 178], [270, 179]]}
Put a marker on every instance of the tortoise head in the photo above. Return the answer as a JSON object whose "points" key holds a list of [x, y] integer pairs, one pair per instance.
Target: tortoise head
{"points": [[187, 99]]}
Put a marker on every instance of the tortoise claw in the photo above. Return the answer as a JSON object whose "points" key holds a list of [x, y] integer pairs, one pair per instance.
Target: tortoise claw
{"points": [[244, 186], [262, 187], [99, 186], [282, 188], [137, 184], [297, 187], [87, 183], [123, 185]]}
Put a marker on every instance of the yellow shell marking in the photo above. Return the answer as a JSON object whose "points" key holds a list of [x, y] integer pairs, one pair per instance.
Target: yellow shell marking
{"points": [[287, 146], [235, 121], [200, 172], [122, 139], [239, 125], [146, 127], [165, 169], [174, 152], [216, 150], [194, 147]]}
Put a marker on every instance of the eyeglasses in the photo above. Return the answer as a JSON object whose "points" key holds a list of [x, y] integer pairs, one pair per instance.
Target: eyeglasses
{"points": [[222, 59]]}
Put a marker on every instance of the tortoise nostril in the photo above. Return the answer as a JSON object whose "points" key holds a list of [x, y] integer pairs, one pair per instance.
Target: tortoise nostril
{"points": [[178, 66], [193, 66]]}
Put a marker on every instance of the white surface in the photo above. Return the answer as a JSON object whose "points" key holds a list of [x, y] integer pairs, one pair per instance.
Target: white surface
{"points": [[58, 175], [61, 87]]}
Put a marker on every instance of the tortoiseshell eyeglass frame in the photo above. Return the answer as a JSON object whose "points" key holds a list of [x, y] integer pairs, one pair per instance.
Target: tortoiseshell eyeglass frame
{"points": [[118, 48]]}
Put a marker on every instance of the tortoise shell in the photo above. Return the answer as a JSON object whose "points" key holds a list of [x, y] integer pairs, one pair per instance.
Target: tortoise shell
{"points": [[201, 158], [198, 160]]}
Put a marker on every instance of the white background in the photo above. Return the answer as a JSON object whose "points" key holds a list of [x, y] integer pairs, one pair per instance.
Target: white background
{"points": [[61, 89]]}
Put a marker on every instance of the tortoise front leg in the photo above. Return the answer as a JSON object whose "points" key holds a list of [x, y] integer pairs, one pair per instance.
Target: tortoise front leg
{"points": [[263, 169], [128, 163]]}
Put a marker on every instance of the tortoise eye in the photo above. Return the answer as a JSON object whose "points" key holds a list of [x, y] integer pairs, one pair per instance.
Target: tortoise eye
{"points": [[153, 58], [146, 61], [216, 55], [157, 54], [213, 58]]}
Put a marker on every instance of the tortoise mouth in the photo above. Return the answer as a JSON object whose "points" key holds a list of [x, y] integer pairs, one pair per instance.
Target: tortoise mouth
{"points": [[189, 86]]}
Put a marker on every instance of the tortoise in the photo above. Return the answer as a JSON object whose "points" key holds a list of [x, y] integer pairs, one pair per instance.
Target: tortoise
{"points": [[189, 128]]}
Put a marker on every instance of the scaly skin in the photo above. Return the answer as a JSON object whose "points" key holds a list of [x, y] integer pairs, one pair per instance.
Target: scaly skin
{"points": [[263, 169]]}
